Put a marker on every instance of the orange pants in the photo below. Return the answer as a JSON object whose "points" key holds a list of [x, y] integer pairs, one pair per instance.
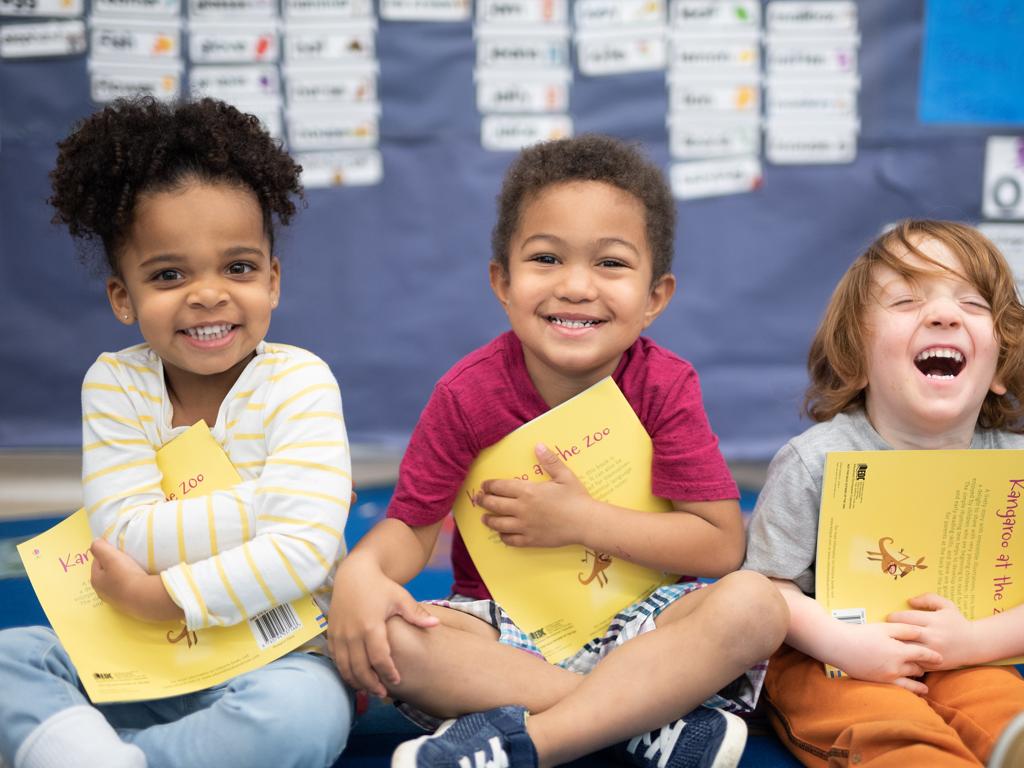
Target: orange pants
{"points": [[853, 722]]}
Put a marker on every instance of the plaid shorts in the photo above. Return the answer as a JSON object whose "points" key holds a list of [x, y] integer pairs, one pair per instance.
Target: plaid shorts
{"points": [[739, 696]]}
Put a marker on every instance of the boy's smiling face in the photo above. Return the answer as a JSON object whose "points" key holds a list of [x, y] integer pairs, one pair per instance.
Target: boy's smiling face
{"points": [[197, 273], [578, 288], [932, 353]]}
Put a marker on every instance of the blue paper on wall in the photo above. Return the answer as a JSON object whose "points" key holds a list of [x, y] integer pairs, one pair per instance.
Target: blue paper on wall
{"points": [[972, 68]]}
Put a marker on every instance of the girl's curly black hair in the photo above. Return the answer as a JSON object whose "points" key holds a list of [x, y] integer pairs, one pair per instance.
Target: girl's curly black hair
{"points": [[141, 145]]}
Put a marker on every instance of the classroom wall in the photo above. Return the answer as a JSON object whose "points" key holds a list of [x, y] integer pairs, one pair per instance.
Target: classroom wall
{"points": [[388, 283]]}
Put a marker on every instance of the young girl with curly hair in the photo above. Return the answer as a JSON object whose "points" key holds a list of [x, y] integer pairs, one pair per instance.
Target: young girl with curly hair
{"points": [[182, 198]]}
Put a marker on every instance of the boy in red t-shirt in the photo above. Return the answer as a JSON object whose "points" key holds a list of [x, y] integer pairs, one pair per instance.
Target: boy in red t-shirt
{"points": [[581, 257]]}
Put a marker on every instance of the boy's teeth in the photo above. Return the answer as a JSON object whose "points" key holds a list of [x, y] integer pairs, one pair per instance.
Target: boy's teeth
{"points": [[573, 323], [207, 332], [940, 352]]}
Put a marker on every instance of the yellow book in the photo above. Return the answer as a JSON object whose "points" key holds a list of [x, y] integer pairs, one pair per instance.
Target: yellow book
{"points": [[563, 597], [896, 524], [119, 658]]}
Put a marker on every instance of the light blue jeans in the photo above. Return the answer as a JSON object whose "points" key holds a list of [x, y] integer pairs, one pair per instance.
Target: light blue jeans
{"points": [[295, 711]]}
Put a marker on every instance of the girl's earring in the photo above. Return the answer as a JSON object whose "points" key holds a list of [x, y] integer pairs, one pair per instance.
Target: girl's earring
{"points": [[125, 318]]}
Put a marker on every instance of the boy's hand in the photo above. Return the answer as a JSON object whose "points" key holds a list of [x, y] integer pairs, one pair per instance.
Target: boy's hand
{"points": [[124, 584], [886, 653], [527, 514], [942, 628], [364, 598]]}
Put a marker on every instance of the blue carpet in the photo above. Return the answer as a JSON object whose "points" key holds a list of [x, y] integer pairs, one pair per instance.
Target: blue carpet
{"points": [[381, 729]]}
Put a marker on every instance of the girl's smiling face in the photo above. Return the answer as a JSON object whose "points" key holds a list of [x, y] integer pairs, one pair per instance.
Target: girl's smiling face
{"points": [[932, 352], [196, 272]]}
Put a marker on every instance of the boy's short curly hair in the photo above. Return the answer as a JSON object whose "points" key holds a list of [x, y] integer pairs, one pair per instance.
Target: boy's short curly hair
{"points": [[838, 354], [141, 145], [589, 157]]}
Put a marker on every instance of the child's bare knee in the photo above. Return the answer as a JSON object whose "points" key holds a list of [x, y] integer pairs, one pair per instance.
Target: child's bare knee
{"points": [[760, 617], [408, 643]]}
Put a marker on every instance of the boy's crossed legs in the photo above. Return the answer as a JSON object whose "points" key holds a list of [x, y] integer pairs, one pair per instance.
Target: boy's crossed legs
{"points": [[703, 641]]}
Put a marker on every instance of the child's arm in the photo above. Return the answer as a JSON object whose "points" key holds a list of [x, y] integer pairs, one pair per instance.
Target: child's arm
{"points": [[268, 540], [702, 539], [368, 592], [959, 641], [880, 652], [122, 583]]}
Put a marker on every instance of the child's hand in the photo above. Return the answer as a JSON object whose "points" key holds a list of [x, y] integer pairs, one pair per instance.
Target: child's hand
{"points": [[526, 514], [124, 584], [364, 599], [942, 628], [886, 653]]}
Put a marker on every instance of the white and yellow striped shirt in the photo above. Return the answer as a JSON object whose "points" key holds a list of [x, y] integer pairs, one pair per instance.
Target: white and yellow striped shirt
{"points": [[276, 535]]}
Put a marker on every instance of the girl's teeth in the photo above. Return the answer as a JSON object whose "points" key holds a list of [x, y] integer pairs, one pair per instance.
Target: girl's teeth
{"points": [[573, 323], [209, 332]]}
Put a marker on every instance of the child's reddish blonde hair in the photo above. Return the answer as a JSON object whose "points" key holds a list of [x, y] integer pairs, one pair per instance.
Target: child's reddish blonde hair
{"points": [[836, 361]]}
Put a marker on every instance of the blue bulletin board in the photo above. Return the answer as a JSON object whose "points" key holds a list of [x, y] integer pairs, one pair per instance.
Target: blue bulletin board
{"points": [[388, 283]]}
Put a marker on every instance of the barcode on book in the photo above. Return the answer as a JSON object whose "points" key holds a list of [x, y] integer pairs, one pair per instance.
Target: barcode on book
{"points": [[274, 624], [850, 615]]}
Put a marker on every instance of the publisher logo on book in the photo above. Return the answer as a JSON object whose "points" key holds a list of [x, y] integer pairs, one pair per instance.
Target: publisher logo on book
{"points": [[862, 473]]}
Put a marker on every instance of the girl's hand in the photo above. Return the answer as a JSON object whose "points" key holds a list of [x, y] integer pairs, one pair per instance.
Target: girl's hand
{"points": [[364, 598], [886, 653], [124, 584], [942, 628], [527, 514]]}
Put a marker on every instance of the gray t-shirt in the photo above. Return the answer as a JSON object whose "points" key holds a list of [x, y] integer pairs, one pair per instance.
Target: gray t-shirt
{"points": [[783, 533]]}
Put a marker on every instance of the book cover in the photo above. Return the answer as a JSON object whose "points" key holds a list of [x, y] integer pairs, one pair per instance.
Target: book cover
{"points": [[565, 596], [896, 524], [120, 658]]}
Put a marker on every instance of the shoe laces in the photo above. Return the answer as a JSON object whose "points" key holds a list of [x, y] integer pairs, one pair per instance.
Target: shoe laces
{"points": [[657, 744], [498, 759]]}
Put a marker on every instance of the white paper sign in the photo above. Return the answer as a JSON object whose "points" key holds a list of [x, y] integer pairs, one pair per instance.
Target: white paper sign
{"points": [[521, 49], [693, 139], [1009, 239], [811, 100], [512, 133], [352, 168], [512, 92], [711, 178], [591, 14], [126, 39], [794, 58], [221, 9], [115, 81], [424, 10], [811, 17], [48, 38], [136, 8], [728, 57], [327, 9], [332, 129], [612, 53], [703, 96], [809, 144], [233, 83], [333, 44], [267, 110], [522, 11], [233, 44], [711, 17], [40, 7], [331, 85], [1003, 195]]}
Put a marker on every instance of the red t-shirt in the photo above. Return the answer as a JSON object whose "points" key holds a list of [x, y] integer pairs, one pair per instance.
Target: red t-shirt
{"points": [[489, 393]]}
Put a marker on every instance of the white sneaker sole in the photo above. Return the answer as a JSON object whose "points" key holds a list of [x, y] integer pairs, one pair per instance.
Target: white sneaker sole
{"points": [[733, 743], [404, 755]]}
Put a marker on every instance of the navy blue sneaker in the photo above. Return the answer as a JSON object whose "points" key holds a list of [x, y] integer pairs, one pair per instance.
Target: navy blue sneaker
{"points": [[704, 738], [496, 738]]}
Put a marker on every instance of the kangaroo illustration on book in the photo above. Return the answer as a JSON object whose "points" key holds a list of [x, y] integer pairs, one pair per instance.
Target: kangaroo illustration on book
{"points": [[897, 565], [601, 563], [188, 636]]}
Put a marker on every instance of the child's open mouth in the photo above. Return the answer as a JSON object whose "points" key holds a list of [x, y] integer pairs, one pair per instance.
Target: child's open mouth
{"points": [[209, 332], [940, 362], [567, 323]]}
